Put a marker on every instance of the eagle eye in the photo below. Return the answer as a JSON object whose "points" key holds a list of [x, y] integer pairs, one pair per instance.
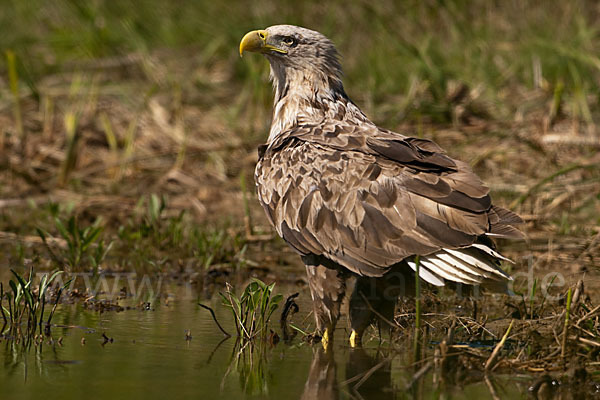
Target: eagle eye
{"points": [[289, 41]]}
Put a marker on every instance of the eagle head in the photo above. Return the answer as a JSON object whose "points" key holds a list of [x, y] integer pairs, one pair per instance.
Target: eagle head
{"points": [[306, 75], [293, 47]]}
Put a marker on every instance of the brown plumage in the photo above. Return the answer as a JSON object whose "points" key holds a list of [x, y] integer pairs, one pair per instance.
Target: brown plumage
{"points": [[351, 197]]}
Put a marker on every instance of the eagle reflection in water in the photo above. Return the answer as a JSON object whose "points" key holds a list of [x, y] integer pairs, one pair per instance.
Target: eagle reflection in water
{"points": [[368, 375]]}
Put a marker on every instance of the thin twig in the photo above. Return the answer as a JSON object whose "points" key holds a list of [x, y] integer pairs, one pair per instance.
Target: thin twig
{"points": [[215, 319], [579, 288], [393, 325], [499, 346], [491, 388], [422, 371], [417, 341], [588, 315], [550, 178], [368, 374], [589, 342], [417, 294], [215, 349], [360, 377]]}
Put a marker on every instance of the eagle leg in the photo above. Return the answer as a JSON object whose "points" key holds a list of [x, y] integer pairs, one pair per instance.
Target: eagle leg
{"points": [[327, 288], [374, 300]]}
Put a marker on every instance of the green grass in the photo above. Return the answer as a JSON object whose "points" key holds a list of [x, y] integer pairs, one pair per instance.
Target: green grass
{"points": [[149, 240], [403, 58], [26, 305], [84, 245]]}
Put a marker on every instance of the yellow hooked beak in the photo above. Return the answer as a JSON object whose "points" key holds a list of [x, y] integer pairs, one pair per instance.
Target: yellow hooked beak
{"points": [[256, 41]]}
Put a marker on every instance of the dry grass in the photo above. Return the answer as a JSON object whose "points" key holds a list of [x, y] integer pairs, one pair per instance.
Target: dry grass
{"points": [[459, 346]]}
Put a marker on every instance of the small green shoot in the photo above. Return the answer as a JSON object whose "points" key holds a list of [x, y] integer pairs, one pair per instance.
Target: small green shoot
{"points": [[532, 298], [566, 326]]}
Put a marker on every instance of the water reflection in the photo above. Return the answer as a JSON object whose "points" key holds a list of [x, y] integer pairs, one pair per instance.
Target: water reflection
{"points": [[250, 361], [372, 373], [367, 376], [321, 383]]}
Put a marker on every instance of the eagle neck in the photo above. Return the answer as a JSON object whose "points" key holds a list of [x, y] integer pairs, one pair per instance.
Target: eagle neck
{"points": [[306, 97]]}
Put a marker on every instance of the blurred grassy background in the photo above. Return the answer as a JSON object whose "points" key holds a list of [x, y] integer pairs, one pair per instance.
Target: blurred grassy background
{"points": [[393, 50], [104, 103]]}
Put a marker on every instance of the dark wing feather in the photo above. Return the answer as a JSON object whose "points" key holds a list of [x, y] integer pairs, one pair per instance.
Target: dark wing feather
{"points": [[369, 200], [408, 153]]}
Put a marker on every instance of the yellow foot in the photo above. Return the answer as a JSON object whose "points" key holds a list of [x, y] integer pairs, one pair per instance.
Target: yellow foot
{"points": [[354, 339], [327, 338]]}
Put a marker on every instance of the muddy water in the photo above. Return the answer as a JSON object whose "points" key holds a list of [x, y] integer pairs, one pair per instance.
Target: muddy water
{"points": [[150, 357]]}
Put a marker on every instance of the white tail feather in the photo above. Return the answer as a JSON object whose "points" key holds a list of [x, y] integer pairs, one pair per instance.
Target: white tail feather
{"points": [[473, 265], [478, 263], [426, 274], [492, 252], [470, 276], [448, 274], [458, 263]]}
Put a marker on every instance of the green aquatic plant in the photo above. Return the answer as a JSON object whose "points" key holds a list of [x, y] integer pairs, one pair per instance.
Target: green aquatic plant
{"points": [[253, 309], [84, 244], [26, 303], [251, 312]]}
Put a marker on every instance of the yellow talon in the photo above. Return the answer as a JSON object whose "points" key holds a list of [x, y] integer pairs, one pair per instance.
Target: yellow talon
{"points": [[354, 339], [325, 339]]}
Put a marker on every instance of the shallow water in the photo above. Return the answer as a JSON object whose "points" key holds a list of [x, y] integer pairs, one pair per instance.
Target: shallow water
{"points": [[151, 358]]}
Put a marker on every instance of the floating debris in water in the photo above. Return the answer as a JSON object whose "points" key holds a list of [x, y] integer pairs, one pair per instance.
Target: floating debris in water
{"points": [[106, 339], [93, 303]]}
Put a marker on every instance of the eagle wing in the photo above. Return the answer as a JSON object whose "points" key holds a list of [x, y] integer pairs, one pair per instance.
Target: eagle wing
{"points": [[369, 199]]}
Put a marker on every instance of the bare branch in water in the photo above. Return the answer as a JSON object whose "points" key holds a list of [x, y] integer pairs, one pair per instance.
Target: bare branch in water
{"points": [[215, 319]]}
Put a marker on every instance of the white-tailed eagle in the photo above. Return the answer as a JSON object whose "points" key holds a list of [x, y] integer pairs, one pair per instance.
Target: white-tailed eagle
{"points": [[353, 198]]}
